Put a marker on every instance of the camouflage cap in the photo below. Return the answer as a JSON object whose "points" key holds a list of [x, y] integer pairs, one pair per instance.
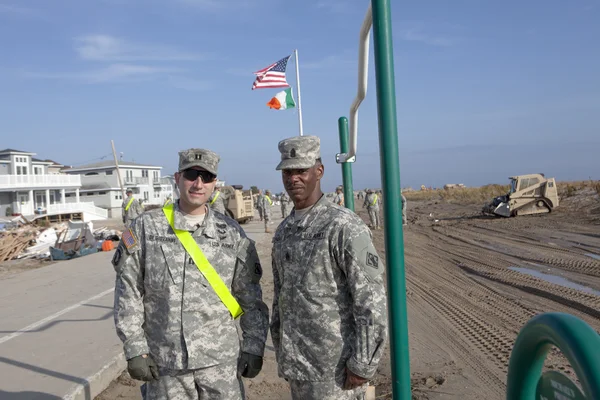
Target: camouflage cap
{"points": [[299, 152], [209, 160]]}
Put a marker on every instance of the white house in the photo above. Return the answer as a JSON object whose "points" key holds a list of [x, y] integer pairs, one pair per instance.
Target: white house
{"points": [[28, 184], [100, 184]]}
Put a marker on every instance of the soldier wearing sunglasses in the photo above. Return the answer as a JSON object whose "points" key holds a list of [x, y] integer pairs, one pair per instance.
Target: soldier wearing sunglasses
{"points": [[184, 275]]}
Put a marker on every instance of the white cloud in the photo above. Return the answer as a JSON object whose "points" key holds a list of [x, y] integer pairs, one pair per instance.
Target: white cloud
{"points": [[110, 48], [111, 73], [415, 35]]}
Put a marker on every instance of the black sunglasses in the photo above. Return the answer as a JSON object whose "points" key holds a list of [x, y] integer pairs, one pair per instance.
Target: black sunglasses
{"points": [[193, 174]]}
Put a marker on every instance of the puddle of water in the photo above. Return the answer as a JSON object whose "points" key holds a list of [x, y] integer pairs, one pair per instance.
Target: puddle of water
{"points": [[594, 256], [558, 280]]}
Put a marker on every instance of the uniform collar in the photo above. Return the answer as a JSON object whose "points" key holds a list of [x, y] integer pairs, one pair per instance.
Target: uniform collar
{"points": [[320, 206], [207, 228]]}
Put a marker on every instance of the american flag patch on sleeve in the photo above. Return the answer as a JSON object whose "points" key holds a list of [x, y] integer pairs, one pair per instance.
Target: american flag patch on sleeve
{"points": [[128, 239]]}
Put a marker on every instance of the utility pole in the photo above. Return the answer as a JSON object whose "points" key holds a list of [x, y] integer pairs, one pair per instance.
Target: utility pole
{"points": [[118, 171]]}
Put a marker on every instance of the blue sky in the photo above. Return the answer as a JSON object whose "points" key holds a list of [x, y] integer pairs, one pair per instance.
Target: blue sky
{"points": [[486, 89]]}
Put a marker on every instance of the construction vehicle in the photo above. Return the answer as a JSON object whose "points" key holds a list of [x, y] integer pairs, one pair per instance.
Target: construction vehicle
{"points": [[239, 203], [529, 194]]}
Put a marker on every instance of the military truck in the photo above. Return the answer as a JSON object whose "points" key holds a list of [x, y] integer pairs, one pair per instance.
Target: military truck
{"points": [[239, 203], [529, 194]]}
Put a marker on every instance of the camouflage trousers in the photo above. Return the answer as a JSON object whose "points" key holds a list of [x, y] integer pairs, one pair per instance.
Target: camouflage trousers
{"points": [[374, 217], [329, 390], [219, 382], [284, 211], [260, 213]]}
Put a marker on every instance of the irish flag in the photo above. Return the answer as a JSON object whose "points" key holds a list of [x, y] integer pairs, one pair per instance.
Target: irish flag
{"points": [[282, 100]]}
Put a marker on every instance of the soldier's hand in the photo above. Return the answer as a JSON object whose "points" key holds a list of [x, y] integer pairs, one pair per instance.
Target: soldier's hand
{"points": [[142, 368], [353, 381], [249, 365]]}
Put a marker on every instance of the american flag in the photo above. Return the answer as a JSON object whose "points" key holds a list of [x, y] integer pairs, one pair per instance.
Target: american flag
{"points": [[272, 76], [128, 238]]}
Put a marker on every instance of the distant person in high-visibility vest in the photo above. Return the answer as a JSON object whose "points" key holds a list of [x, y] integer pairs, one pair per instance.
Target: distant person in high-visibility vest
{"points": [[259, 204], [131, 208], [217, 201], [185, 274], [372, 204]]}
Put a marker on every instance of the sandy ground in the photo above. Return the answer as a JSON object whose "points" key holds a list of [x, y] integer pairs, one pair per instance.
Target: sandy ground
{"points": [[472, 283]]}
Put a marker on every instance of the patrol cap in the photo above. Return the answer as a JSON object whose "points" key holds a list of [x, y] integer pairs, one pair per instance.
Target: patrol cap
{"points": [[209, 160], [129, 191], [299, 152]]}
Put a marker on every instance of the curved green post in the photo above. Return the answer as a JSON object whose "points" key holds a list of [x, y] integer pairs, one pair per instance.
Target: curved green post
{"points": [[575, 339], [392, 202], [346, 166]]}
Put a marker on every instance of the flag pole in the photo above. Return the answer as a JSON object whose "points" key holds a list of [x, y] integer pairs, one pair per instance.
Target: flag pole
{"points": [[298, 86]]}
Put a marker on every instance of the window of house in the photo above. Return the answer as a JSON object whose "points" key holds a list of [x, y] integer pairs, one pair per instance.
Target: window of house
{"points": [[101, 193], [91, 173], [24, 170], [90, 193], [68, 195], [146, 196], [109, 172], [18, 170]]}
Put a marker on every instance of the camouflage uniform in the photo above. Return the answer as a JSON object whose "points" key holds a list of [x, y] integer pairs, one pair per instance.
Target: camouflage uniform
{"points": [[218, 204], [285, 202], [166, 308], [259, 205], [404, 217], [266, 205], [372, 204], [329, 306], [132, 212], [339, 198]]}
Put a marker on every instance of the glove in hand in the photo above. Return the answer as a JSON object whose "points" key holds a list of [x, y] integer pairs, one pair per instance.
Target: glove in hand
{"points": [[249, 365], [142, 368]]}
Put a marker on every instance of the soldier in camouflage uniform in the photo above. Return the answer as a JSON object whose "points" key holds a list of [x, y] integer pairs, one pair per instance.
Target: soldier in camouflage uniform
{"points": [[217, 201], [329, 323], [266, 205], [372, 205], [131, 208], [285, 202], [339, 196], [178, 335], [259, 204]]}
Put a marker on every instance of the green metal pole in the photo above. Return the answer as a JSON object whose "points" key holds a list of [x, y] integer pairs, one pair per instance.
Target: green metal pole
{"points": [[346, 166], [392, 203], [575, 339]]}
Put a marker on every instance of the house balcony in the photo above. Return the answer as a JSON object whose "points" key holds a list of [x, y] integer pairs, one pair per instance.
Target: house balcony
{"points": [[161, 182], [30, 182], [136, 180]]}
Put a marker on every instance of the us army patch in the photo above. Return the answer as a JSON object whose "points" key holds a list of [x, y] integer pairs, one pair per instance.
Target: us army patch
{"points": [[372, 260], [117, 257]]}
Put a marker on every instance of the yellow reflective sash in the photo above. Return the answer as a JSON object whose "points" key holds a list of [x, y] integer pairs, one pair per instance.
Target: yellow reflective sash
{"points": [[129, 204], [215, 198], [203, 265], [268, 198], [167, 202], [374, 200]]}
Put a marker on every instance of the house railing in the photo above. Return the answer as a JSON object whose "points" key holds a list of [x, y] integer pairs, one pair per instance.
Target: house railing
{"points": [[25, 182]]}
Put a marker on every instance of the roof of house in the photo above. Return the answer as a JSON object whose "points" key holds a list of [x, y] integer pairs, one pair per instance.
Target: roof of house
{"points": [[40, 161], [14, 151], [108, 164]]}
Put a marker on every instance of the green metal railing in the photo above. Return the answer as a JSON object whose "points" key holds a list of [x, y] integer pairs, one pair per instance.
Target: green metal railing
{"points": [[378, 17], [575, 339]]}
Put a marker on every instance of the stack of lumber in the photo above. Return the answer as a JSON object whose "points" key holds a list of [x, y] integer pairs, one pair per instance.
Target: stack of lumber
{"points": [[13, 243]]}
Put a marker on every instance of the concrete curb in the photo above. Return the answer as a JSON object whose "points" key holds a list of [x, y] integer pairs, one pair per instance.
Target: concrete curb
{"points": [[97, 383]]}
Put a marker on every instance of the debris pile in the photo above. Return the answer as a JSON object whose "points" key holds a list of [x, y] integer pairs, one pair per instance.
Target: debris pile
{"points": [[59, 242]]}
